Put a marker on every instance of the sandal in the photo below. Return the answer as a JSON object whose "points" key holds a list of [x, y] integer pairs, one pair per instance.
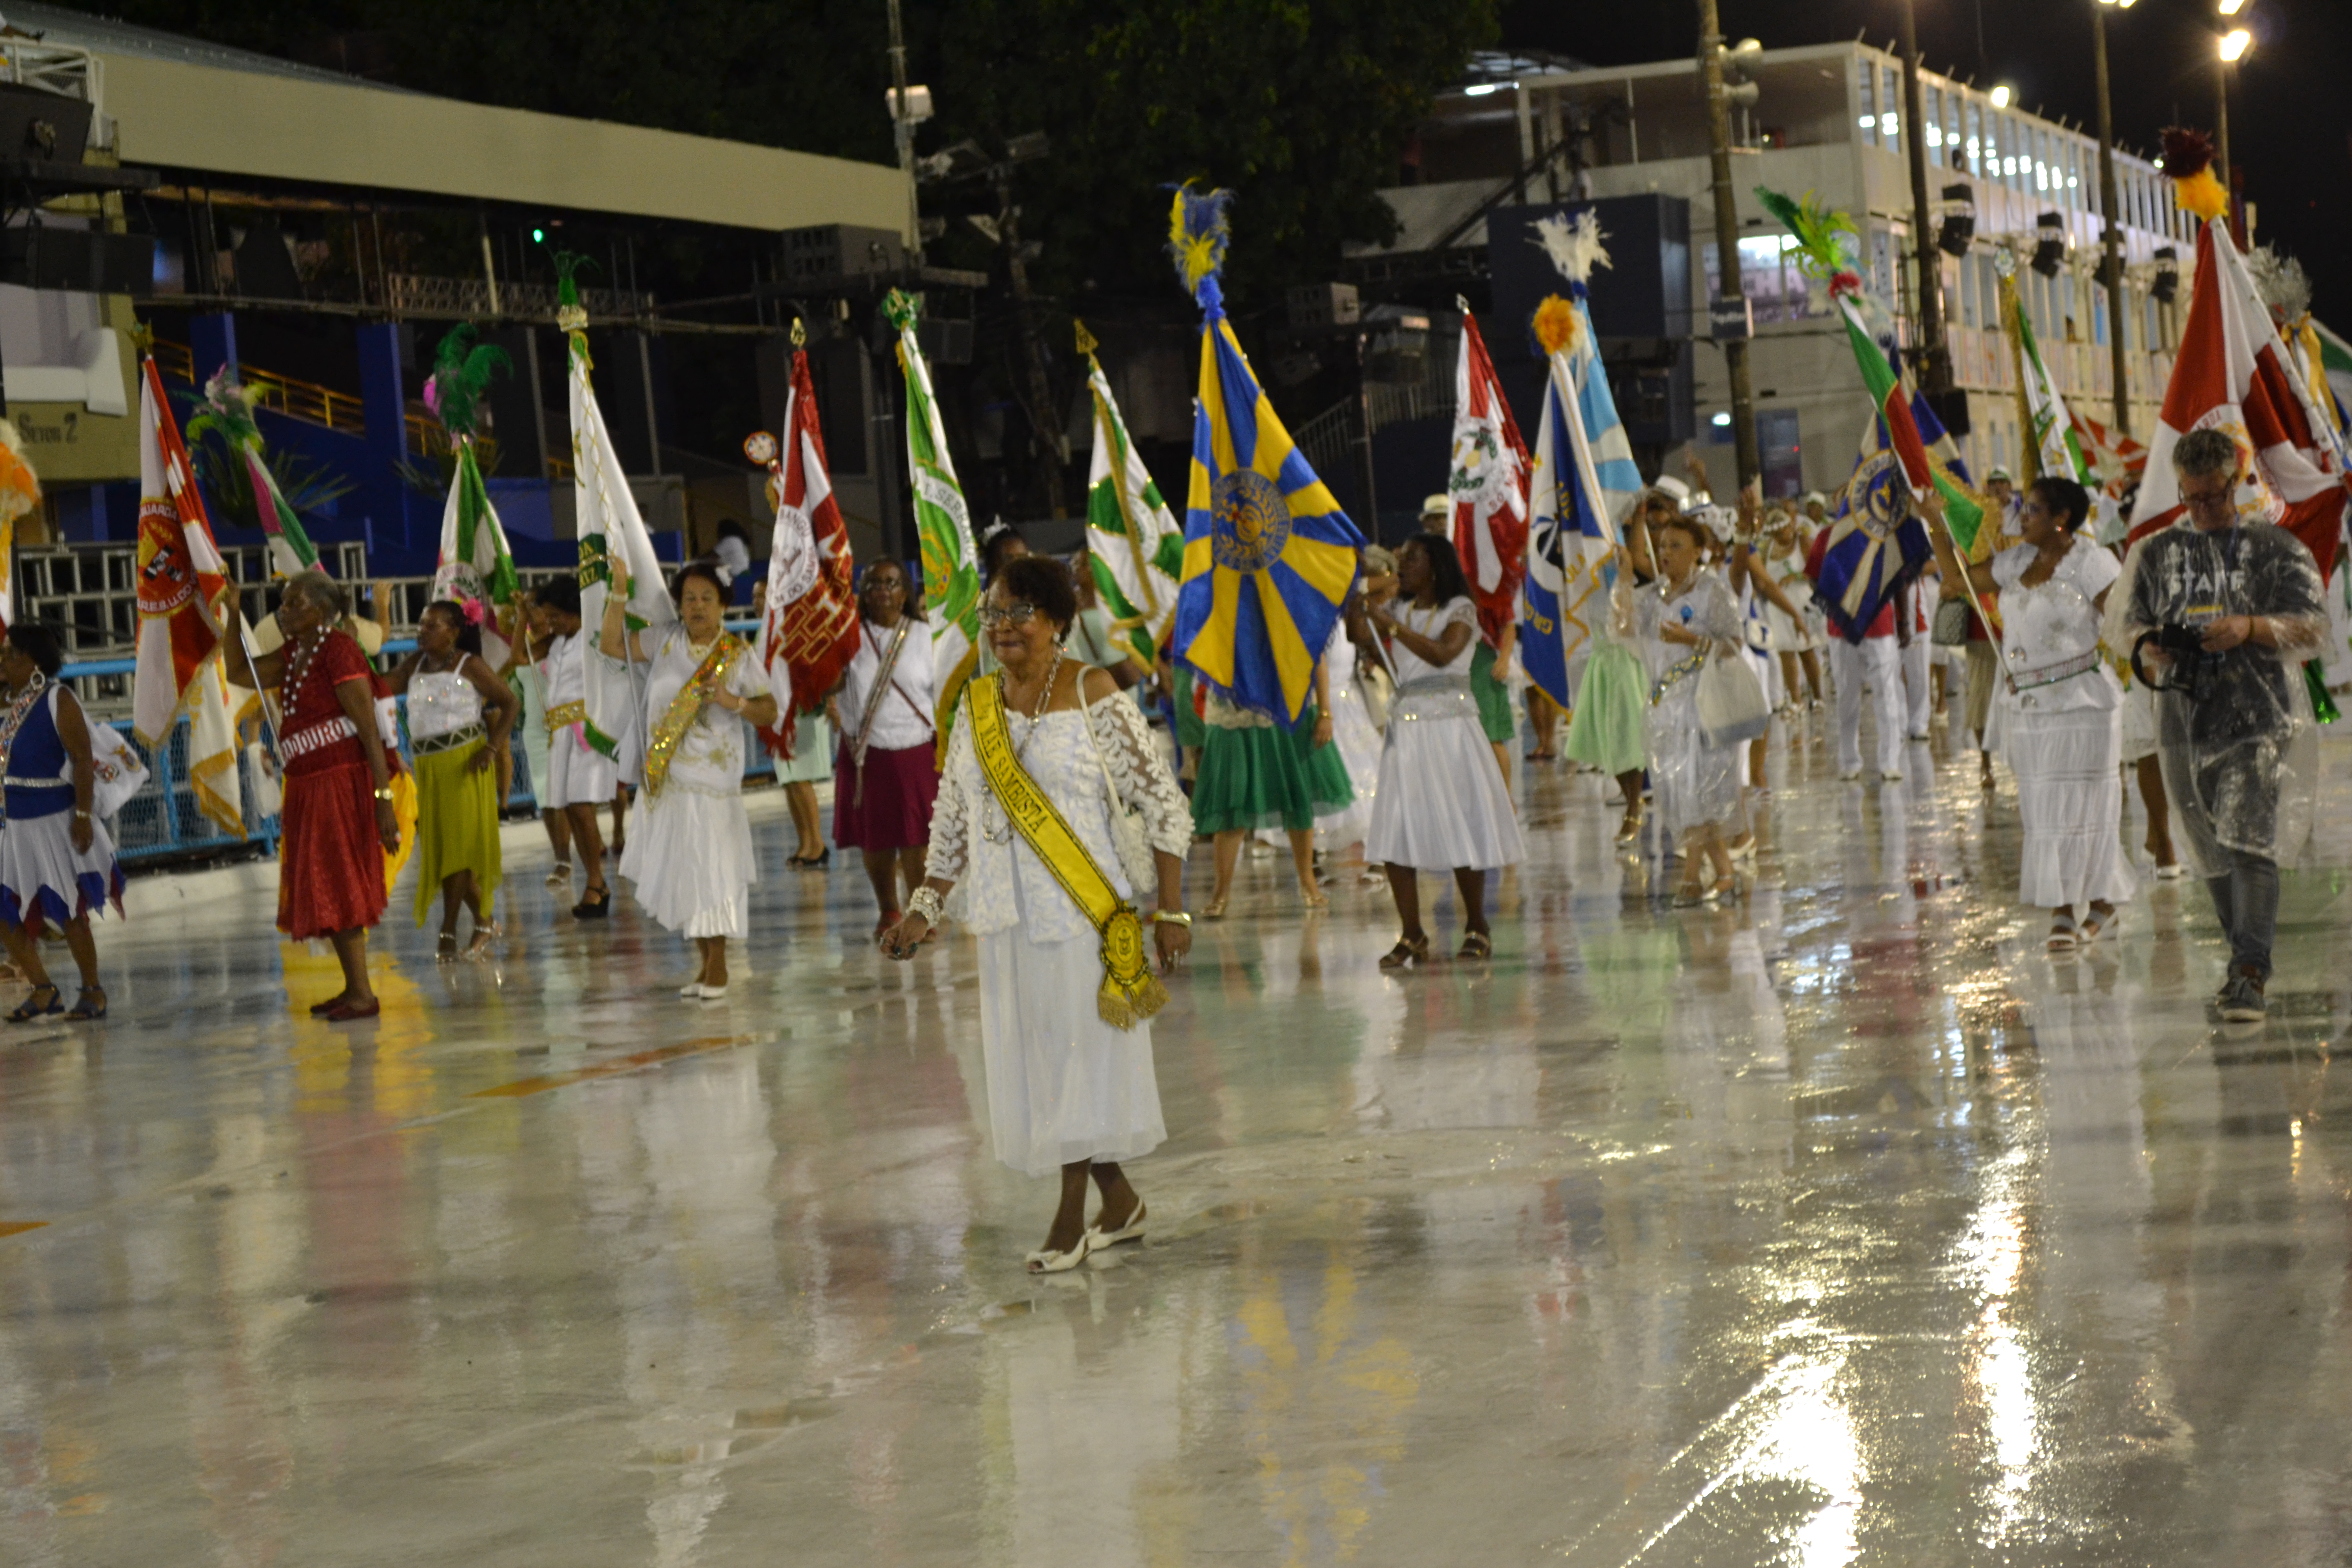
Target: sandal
{"points": [[1407, 953], [2097, 923], [446, 950], [1477, 947], [816, 862], [1315, 897], [2062, 934], [1630, 828], [484, 935], [596, 904], [1214, 910], [1690, 895], [30, 1008], [81, 1012]]}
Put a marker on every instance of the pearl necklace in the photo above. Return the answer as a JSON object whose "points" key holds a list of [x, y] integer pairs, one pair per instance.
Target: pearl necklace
{"points": [[299, 659]]}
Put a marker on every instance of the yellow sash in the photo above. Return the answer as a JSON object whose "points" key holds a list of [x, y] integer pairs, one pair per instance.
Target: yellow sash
{"points": [[684, 708], [1130, 992], [563, 715]]}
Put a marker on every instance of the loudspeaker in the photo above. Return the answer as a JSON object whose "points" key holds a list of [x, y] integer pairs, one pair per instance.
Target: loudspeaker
{"points": [[35, 123]]}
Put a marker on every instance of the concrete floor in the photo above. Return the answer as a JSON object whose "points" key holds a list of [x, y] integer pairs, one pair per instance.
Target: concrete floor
{"points": [[1845, 1226]]}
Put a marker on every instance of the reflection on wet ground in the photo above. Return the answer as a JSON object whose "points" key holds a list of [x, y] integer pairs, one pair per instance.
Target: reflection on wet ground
{"points": [[1842, 1227]]}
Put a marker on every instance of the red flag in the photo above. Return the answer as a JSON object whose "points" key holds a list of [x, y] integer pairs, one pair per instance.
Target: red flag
{"points": [[809, 630], [1488, 484], [2232, 373]]}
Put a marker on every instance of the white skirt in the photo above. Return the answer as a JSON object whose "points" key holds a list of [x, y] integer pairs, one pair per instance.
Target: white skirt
{"points": [[2139, 722], [39, 867], [1788, 636], [1440, 805], [691, 856], [1359, 749], [1063, 1085], [2070, 802]]}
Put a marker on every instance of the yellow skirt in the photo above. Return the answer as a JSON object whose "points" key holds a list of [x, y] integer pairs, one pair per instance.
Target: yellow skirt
{"points": [[456, 825]]}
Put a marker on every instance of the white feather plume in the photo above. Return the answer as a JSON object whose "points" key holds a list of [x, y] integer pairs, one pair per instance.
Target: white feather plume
{"points": [[2280, 281], [1573, 245]]}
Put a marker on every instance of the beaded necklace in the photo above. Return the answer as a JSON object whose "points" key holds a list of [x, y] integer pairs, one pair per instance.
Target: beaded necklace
{"points": [[299, 659], [994, 824]]}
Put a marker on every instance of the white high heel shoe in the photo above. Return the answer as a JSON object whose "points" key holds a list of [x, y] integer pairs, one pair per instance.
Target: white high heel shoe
{"points": [[1046, 1262], [1097, 1238]]}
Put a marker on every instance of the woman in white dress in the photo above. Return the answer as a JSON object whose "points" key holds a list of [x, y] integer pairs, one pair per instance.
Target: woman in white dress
{"points": [[689, 844], [2059, 709], [1439, 805], [1685, 617], [1793, 635], [1068, 1091]]}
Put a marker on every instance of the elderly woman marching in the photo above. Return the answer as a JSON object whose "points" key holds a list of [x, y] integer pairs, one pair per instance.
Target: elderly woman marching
{"points": [[689, 845], [2059, 709], [1033, 835], [56, 863], [459, 716], [338, 817], [1685, 617]]}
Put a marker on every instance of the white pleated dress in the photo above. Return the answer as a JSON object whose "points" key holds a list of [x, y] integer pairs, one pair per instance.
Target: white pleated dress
{"points": [[690, 850], [1439, 805], [1062, 1086], [2062, 729]]}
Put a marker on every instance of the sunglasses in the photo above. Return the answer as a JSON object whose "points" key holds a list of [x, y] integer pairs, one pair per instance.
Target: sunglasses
{"points": [[1014, 614]]}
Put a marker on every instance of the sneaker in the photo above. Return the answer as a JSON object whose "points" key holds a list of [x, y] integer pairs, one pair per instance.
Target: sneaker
{"points": [[2241, 998]]}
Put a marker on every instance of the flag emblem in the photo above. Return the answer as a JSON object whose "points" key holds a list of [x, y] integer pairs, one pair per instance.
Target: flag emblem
{"points": [[1252, 522]]}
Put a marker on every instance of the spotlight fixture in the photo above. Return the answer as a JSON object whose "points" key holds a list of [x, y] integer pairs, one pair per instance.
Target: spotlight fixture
{"points": [[1959, 225], [2050, 244], [2001, 96], [2166, 287]]}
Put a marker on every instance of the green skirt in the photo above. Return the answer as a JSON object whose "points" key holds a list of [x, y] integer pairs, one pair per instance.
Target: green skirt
{"points": [[1605, 731], [812, 761], [1267, 777], [456, 825], [1188, 723], [1493, 697]]}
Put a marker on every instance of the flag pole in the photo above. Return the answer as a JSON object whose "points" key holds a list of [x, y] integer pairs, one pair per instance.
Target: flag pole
{"points": [[1969, 588]]}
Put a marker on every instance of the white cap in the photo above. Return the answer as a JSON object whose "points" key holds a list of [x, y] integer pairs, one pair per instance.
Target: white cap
{"points": [[1674, 486], [2001, 472], [1442, 505]]}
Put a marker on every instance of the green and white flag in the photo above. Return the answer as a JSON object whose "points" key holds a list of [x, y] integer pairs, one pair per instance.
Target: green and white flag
{"points": [[942, 523], [1134, 542], [474, 562], [608, 522], [2055, 448]]}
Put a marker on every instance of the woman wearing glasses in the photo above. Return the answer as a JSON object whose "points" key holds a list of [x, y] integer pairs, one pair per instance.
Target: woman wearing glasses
{"points": [[1032, 837]]}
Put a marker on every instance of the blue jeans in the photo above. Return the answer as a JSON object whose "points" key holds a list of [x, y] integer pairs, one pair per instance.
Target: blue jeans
{"points": [[2246, 898]]}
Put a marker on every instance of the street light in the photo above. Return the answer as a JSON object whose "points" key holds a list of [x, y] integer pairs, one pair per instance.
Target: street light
{"points": [[2234, 42], [2001, 96], [2232, 8]]}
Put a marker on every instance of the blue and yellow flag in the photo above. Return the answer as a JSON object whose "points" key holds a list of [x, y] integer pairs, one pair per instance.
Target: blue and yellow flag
{"points": [[1268, 555]]}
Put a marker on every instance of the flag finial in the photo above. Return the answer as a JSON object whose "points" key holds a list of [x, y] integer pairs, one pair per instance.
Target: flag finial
{"points": [[1198, 233], [1087, 343]]}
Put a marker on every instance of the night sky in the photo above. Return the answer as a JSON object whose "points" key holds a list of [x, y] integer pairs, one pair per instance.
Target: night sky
{"points": [[2289, 115]]}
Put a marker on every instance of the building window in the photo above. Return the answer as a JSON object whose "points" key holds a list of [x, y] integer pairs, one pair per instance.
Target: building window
{"points": [[1974, 126], [1865, 96], [1890, 93]]}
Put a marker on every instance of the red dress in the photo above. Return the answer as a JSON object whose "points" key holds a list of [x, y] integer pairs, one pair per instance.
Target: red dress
{"points": [[330, 871]]}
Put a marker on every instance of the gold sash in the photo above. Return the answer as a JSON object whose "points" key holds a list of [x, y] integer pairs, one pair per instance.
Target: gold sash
{"points": [[1130, 993], [687, 707], [563, 715]]}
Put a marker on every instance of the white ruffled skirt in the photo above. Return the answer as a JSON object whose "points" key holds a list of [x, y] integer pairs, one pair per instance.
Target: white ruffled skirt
{"points": [[2070, 802], [1440, 805], [1063, 1085], [43, 880], [691, 856]]}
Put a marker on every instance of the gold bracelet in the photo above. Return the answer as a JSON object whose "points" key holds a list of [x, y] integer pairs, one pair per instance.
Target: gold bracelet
{"points": [[384, 793], [1172, 917]]}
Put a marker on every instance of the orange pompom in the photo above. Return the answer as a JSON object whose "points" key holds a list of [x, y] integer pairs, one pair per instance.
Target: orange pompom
{"points": [[1555, 324], [2201, 194]]}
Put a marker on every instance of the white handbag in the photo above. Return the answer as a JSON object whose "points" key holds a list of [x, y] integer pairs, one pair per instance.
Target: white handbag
{"points": [[1731, 704]]}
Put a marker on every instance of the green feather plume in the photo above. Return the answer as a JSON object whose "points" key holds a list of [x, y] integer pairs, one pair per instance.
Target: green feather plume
{"points": [[1816, 228], [461, 373]]}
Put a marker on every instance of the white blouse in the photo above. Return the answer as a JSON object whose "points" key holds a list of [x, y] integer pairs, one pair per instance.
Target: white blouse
{"points": [[709, 758], [2050, 629], [999, 883], [1432, 624], [442, 703], [566, 668], [904, 719]]}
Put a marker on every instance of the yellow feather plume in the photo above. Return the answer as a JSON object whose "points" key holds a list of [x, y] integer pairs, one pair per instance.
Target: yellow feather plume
{"points": [[1555, 324], [2201, 194], [1198, 233]]}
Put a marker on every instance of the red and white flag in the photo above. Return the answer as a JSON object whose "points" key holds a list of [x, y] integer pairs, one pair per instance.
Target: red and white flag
{"points": [[809, 628], [2232, 373], [179, 663], [2116, 458], [1488, 486]]}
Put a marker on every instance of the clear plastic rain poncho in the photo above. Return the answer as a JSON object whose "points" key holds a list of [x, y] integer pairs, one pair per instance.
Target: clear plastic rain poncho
{"points": [[1695, 784], [2242, 762]]}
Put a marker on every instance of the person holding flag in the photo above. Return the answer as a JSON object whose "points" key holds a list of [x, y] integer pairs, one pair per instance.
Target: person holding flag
{"points": [[690, 852], [887, 780], [808, 621], [1486, 501]]}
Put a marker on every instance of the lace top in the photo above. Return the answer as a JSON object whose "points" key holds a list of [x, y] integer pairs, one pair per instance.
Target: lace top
{"points": [[2051, 628], [1000, 883], [1432, 624]]}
